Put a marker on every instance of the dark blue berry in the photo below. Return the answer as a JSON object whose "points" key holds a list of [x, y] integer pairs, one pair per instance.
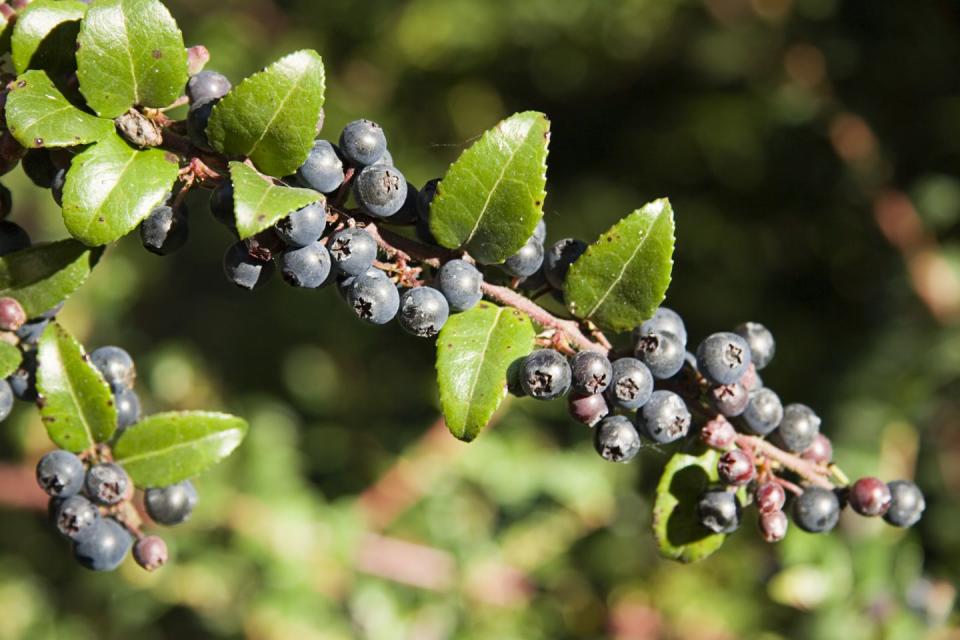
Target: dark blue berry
{"points": [[381, 190], [362, 142], [719, 511], [545, 374], [616, 439], [665, 417], [663, 319], [408, 213], [460, 282], [374, 299], [526, 261], [39, 167], [6, 400], [761, 342], [558, 259], [587, 408], [75, 517], [764, 411], [307, 267], [29, 334], [57, 184], [106, 483], [165, 230], [662, 352], [6, 201], [906, 504], [244, 270], [816, 510], [116, 366], [197, 120], [207, 85], [12, 238], [352, 250], [303, 226], [540, 231], [631, 384], [723, 358], [386, 159], [323, 170], [171, 505], [104, 546], [427, 194], [23, 381], [128, 409], [592, 372], [798, 427], [221, 205], [60, 473], [423, 311]]}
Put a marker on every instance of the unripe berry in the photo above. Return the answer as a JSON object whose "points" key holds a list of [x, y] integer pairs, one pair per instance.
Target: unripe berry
{"points": [[630, 385], [664, 418], [150, 552], [587, 408], [730, 400], [816, 510], [12, 315], [770, 497], [736, 467], [906, 505], [762, 345], [592, 372], [719, 511], [870, 497], [545, 374], [106, 483], [662, 352], [718, 433], [616, 440], [820, 452], [773, 526]]}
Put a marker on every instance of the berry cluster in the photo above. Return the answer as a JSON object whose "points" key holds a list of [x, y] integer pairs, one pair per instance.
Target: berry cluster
{"points": [[661, 393], [91, 497]]}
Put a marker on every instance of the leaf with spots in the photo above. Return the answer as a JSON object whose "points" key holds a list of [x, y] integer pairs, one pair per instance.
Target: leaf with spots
{"points": [[474, 351], [45, 36], [111, 187], [130, 53], [167, 448], [258, 202], [44, 275], [75, 402], [10, 359], [491, 198], [676, 525], [623, 277], [39, 116], [271, 117]]}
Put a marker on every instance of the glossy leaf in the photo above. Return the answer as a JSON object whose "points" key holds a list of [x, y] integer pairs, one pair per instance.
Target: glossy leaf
{"points": [[167, 448], [491, 199], [45, 34], [676, 527], [623, 277], [131, 53], [111, 187], [39, 116], [271, 117], [44, 275], [258, 202], [10, 358], [76, 405], [474, 351]]}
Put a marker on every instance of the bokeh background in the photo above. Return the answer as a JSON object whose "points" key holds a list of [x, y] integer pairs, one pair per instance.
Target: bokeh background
{"points": [[810, 148]]}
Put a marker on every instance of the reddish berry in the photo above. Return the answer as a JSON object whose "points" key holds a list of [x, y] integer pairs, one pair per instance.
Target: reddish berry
{"points": [[751, 379], [588, 409], [736, 467], [773, 526], [12, 315], [150, 552], [718, 433], [730, 399], [820, 452], [770, 497], [870, 497]]}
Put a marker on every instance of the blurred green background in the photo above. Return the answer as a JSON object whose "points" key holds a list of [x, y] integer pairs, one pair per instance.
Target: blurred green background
{"points": [[810, 148]]}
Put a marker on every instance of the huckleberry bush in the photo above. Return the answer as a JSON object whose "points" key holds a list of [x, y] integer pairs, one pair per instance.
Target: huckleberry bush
{"points": [[92, 125]]}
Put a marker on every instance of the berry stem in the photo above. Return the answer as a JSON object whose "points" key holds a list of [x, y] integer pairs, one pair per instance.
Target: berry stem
{"points": [[807, 470]]}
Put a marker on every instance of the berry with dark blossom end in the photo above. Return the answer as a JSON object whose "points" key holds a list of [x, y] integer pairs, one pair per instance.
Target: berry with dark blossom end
{"points": [[616, 439], [665, 417], [631, 384], [307, 267], [526, 261], [423, 311], [374, 299], [75, 516], [106, 483], [207, 85], [150, 552], [460, 282], [820, 451], [352, 250], [816, 510], [719, 511], [762, 345], [303, 226], [165, 230], [663, 319], [662, 352], [171, 505], [770, 497], [736, 467], [798, 428], [323, 169], [221, 205], [381, 190], [723, 357], [592, 372], [362, 142], [559, 257], [870, 497], [764, 411], [906, 504], [718, 433], [587, 408], [12, 238], [128, 409], [244, 270], [545, 375], [104, 547], [116, 366], [12, 315], [730, 399], [773, 526], [60, 474]]}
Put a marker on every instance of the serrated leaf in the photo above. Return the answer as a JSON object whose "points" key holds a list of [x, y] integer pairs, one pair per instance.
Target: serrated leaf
{"points": [[474, 350], [130, 53], [44, 275], [10, 359], [167, 448], [623, 277], [111, 187], [491, 198], [39, 116], [75, 402], [676, 527], [271, 117], [258, 202], [45, 34]]}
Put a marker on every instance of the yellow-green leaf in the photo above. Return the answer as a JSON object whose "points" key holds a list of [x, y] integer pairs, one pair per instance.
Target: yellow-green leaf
{"points": [[39, 116]]}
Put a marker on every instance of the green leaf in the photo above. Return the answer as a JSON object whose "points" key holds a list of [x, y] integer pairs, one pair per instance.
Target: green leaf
{"points": [[676, 527], [271, 117], [44, 275], [167, 448], [258, 202], [75, 401], [492, 197], [10, 358], [45, 36], [39, 116], [131, 53], [623, 277], [111, 187], [474, 350]]}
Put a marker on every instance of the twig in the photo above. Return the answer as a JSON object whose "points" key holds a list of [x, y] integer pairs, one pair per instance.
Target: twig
{"points": [[810, 472]]}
